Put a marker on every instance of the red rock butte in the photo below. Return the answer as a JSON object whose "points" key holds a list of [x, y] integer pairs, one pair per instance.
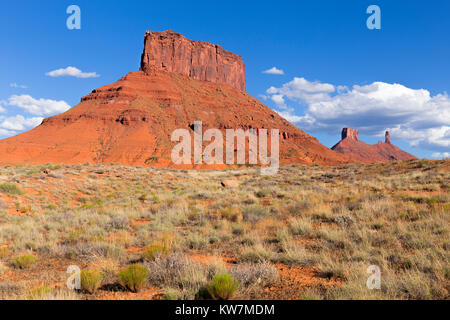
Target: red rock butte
{"points": [[170, 51], [131, 121], [382, 151]]}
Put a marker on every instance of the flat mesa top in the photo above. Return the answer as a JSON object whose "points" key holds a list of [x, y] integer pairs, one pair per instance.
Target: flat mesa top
{"points": [[172, 52]]}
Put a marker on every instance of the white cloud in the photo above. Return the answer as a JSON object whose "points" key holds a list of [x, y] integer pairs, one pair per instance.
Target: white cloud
{"points": [[274, 70], [17, 86], [3, 103], [303, 90], [279, 100], [431, 138], [263, 96], [413, 115], [38, 107], [19, 122], [10, 126], [440, 155], [7, 133], [289, 116], [72, 72]]}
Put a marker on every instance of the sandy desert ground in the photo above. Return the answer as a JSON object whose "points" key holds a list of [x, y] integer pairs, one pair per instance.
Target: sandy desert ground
{"points": [[309, 232]]}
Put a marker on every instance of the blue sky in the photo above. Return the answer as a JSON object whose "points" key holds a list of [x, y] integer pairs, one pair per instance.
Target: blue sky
{"points": [[323, 47]]}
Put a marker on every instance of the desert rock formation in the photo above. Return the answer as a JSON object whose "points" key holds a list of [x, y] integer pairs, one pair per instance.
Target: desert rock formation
{"points": [[131, 121], [170, 51], [382, 151]]}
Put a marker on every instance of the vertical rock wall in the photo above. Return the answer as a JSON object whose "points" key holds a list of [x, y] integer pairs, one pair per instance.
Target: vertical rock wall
{"points": [[170, 51]]}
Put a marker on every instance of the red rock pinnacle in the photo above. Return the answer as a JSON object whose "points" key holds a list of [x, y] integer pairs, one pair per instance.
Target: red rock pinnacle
{"points": [[171, 51], [387, 137], [352, 147], [349, 133]]}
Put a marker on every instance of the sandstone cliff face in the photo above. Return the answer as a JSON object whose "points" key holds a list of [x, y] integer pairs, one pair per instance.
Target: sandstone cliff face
{"points": [[349, 133], [170, 51], [358, 150]]}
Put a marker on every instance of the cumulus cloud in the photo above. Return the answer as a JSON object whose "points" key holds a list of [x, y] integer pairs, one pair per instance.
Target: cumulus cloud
{"points": [[274, 70], [263, 96], [17, 86], [303, 90], [413, 115], [10, 126], [37, 107], [278, 99], [72, 72], [19, 122], [440, 155], [6, 133]]}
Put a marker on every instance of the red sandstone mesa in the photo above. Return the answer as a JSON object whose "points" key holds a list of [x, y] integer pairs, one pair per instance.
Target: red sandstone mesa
{"points": [[131, 121], [170, 51], [358, 150]]}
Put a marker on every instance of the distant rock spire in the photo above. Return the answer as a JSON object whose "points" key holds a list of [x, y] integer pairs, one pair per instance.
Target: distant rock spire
{"points": [[349, 133], [351, 146], [387, 137]]}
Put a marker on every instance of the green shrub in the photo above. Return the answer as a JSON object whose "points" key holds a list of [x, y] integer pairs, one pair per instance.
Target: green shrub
{"points": [[10, 188], [32, 171], [429, 201], [255, 213], [155, 250], [232, 214], [172, 294], [222, 286], [255, 254], [143, 197], [4, 251], [432, 200], [51, 166], [25, 261], [179, 272], [39, 292], [196, 241], [90, 280], [134, 277], [263, 193], [238, 229], [300, 227]]}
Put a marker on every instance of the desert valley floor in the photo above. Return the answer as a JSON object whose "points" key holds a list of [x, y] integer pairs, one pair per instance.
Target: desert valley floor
{"points": [[308, 232]]}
